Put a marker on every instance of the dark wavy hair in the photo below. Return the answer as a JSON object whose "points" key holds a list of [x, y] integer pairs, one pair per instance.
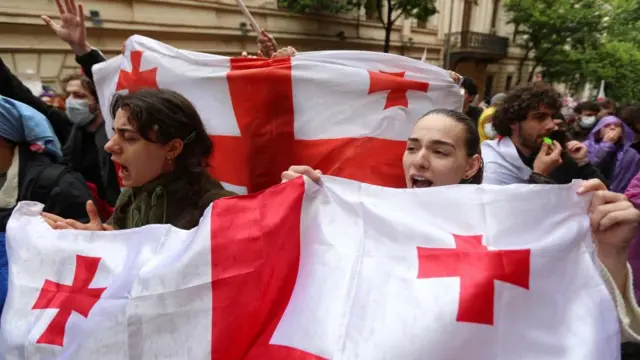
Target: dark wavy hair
{"points": [[521, 101], [161, 115], [471, 142], [587, 106]]}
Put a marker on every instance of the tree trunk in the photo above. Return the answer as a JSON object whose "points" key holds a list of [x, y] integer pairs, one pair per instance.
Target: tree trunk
{"points": [[388, 27], [387, 37], [533, 70]]}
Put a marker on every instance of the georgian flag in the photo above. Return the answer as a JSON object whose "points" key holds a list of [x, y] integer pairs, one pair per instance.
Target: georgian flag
{"points": [[304, 272], [347, 113]]}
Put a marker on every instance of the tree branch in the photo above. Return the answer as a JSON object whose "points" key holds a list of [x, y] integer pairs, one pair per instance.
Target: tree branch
{"points": [[399, 15], [379, 9]]}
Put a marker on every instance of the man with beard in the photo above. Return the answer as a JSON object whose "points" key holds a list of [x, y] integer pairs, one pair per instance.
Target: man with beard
{"points": [[521, 154]]}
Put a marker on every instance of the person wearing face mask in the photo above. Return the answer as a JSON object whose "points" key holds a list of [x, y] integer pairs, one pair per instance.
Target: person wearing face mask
{"points": [[586, 119], [84, 151], [485, 124]]}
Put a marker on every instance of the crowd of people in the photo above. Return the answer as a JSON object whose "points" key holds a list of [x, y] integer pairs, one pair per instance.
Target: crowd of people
{"points": [[58, 153]]}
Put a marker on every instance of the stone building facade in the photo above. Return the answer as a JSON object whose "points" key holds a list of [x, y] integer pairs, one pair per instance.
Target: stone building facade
{"points": [[480, 35]]}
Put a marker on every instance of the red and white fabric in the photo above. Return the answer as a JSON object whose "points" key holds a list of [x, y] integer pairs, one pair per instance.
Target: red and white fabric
{"points": [[347, 113], [304, 272]]}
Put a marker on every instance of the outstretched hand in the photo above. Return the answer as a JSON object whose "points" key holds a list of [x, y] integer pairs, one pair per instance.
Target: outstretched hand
{"points": [[71, 28], [95, 224]]}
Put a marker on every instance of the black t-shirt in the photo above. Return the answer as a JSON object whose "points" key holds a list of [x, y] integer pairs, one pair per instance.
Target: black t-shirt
{"points": [[474, 113]]}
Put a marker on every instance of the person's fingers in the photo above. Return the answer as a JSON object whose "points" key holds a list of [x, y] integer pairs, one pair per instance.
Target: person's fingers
{"points": [[75, 224], [106, 227], [61, 10], [260, 54], [81, 15], [49, 22], [301, 169], [592, 185], [92, 211], [49, 222], [289, 175], [71, 7], [52, 217], [611, 214], [605, 196], [544, 149], [63, 226], [297, 170]]}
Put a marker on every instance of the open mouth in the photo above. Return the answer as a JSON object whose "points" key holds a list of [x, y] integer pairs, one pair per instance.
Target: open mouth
{"points": [[420, 182], [122, 169]]}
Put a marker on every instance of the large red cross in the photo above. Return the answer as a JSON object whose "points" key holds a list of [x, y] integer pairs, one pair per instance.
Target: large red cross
{"points": [[261, 92], [76, 297], [397, 86], [262, 98], [477, 268]]}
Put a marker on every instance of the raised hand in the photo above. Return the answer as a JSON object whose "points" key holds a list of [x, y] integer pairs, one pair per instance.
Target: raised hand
{"points": [[578, 152], [71, 28], [612, 135], [267, 45]]}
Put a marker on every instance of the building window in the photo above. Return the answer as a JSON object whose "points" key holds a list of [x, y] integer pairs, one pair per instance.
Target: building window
{"points": [[370, 10], [422, 24], [488, 88], [507, 85]]}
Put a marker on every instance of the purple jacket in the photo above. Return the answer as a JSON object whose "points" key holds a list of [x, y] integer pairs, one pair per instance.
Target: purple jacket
{"points": [[627, 159], [633, 193]]}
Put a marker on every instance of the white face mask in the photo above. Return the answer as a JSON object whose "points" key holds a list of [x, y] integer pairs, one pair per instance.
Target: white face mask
{"points": [[490, 131], [587, 122], [78, 111]]}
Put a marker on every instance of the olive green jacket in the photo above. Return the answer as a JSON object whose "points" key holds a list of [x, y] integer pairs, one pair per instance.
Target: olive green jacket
{"points": [[166, 200]]}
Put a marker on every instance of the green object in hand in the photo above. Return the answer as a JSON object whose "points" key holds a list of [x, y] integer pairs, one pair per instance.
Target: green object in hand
{"points": [[548, 141]]}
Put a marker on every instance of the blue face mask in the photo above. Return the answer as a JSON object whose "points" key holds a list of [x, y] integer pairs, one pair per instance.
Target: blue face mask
{"points": [[78, 111]]}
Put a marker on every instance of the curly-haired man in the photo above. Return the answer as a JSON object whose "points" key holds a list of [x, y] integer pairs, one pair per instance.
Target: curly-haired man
{"points": [[521, 154]]}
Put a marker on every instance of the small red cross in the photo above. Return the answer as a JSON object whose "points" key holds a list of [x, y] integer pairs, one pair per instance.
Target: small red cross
{"points": [[76, 297], [136, 79], [396, 84], [477, 268]]}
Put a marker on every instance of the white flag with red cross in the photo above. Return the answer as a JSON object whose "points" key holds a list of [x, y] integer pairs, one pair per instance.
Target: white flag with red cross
{"points": [[342, 271], [347, 113]]}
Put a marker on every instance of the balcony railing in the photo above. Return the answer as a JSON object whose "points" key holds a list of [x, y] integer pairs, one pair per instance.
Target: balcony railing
{"points": [[479, 44]]}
